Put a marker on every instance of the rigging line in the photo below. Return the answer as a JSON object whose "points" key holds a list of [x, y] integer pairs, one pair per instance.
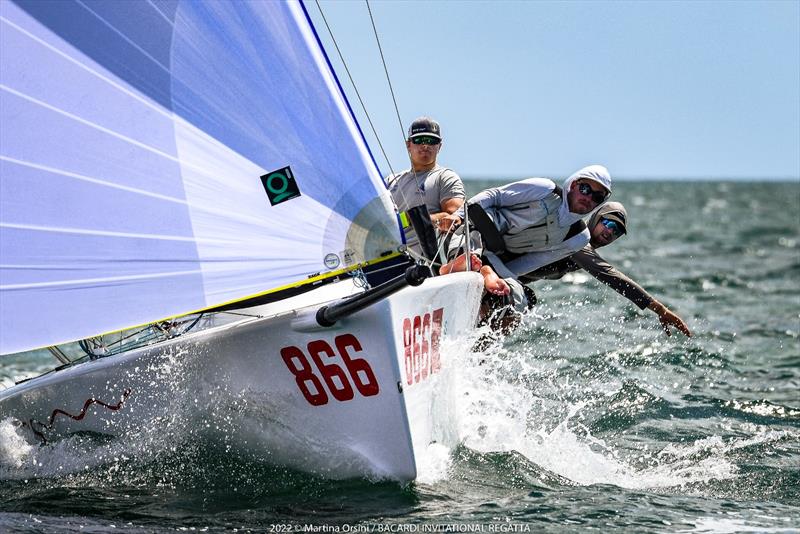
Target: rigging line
{"points": [[441, 253], [353, 83], [396, 109], [386, 70]]}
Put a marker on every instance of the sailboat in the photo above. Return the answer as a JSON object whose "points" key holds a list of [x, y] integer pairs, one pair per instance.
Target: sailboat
{"points": [[187, 203]]}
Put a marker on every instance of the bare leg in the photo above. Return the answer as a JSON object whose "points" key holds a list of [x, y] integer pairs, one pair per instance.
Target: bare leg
{"points": [[460, 264], [493, 283]]}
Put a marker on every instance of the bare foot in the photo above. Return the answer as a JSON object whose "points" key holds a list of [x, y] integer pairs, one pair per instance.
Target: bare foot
{"points": [[460, 264], [493, 283]]}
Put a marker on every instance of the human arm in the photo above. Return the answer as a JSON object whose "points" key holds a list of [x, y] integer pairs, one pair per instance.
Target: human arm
{"points": [[450, 195], [520, 192], [588, 259], [449, 206]]}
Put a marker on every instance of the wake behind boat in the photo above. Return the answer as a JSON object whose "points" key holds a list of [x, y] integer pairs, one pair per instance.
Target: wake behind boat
{"points": [[163, 161]]}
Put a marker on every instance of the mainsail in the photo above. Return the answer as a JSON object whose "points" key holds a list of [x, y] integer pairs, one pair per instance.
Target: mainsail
{"points": [[160, 157]]}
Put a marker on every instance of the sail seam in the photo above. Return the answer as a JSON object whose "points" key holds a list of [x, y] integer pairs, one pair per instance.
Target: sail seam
{"points": [[133, 235], [127, 39], [85, 67], [155, 7], [62, 283], [89, 123], [89, 179], [104, 183], [181, 162]]}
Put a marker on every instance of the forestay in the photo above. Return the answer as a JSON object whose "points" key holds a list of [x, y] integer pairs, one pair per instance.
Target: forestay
{"points": [[161, 157]]}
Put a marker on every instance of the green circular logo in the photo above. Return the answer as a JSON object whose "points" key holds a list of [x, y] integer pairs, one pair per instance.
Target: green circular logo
{"points": [[284, 183]]}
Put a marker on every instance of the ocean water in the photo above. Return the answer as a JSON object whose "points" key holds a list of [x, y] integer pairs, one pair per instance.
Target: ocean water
{"points": [[587, 418]]}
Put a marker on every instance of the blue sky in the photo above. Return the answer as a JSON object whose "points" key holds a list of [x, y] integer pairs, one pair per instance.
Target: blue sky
{"points": [[650, 89]]}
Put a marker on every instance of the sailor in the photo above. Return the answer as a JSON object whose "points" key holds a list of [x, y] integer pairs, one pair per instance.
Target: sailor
{"points": [[426, 187], [606, 225], [528, 224]]}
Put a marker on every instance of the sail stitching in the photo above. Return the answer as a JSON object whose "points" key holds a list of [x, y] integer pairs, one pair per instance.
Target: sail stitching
{"points": [[98, 181], [88, 123], [62, 283], [127, 39], [108, 131], [171, 116], [155, 7], [88, 69], [134, 235], [89, 179]]}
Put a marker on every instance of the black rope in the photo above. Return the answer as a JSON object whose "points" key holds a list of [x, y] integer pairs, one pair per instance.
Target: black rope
{"points": [[353, 83], [386, 70]]}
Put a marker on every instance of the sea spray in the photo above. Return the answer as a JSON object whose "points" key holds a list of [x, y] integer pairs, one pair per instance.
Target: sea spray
{"points": [[526, 395]]}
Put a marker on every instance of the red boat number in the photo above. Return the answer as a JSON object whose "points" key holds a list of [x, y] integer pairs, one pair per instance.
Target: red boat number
{"points": [[338, 381], [421, 337]]}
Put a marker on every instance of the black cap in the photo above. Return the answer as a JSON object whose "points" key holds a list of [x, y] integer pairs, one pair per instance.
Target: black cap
{"points": [[613, 211], [424, 126]]}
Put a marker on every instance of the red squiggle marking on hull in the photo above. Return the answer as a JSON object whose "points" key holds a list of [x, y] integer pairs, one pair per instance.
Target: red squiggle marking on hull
{"points": [[87, 403]]}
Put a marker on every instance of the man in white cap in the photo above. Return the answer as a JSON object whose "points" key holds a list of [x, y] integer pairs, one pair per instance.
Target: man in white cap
{"points": [[426, 184], [531, 223]]}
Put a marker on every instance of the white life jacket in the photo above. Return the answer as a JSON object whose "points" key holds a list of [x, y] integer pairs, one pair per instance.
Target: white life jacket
{"points": [[530, 226]]}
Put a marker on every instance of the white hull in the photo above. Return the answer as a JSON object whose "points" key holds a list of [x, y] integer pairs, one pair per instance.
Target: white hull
{"points": [[260, 384]]}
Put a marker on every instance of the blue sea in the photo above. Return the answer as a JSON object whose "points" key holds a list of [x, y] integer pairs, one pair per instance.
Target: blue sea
{"points": [[588, 418]]}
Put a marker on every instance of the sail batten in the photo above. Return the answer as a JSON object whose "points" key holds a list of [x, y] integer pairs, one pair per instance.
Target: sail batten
{"points": [[159, 161]]}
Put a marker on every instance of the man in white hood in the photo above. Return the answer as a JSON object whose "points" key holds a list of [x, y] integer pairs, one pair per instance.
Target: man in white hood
{"points": [[531, 223]]}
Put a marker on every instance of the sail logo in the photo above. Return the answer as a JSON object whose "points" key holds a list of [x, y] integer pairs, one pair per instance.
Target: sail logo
{"points": [[280, 186], [331, 261]]}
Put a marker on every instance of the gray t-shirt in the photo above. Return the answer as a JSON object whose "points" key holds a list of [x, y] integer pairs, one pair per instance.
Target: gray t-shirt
{"points": [[411, 189]]}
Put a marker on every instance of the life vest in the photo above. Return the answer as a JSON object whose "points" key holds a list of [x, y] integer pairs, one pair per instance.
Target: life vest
{"points": [[522, 228], [521, 236]]}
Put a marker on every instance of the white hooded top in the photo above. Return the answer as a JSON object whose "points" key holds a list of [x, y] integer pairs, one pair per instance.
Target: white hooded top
{"points": [[531, 190]]}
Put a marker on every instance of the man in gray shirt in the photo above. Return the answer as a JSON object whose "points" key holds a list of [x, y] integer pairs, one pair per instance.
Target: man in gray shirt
{"points": [[426, 183]]}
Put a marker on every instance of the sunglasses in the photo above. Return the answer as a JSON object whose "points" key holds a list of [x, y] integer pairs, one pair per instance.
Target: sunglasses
{"points": [[426, 140], [614, 226], [586, 190]]}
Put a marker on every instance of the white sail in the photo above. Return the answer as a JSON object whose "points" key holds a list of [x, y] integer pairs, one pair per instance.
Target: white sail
{"points": [[158, 158]]}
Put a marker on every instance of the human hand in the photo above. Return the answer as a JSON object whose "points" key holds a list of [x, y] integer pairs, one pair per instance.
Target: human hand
{"points": [[667, 319], [448, 223]]}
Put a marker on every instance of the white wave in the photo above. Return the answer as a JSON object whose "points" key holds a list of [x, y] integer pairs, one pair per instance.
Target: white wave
{"points": [[512, 400], [14, 450]]}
